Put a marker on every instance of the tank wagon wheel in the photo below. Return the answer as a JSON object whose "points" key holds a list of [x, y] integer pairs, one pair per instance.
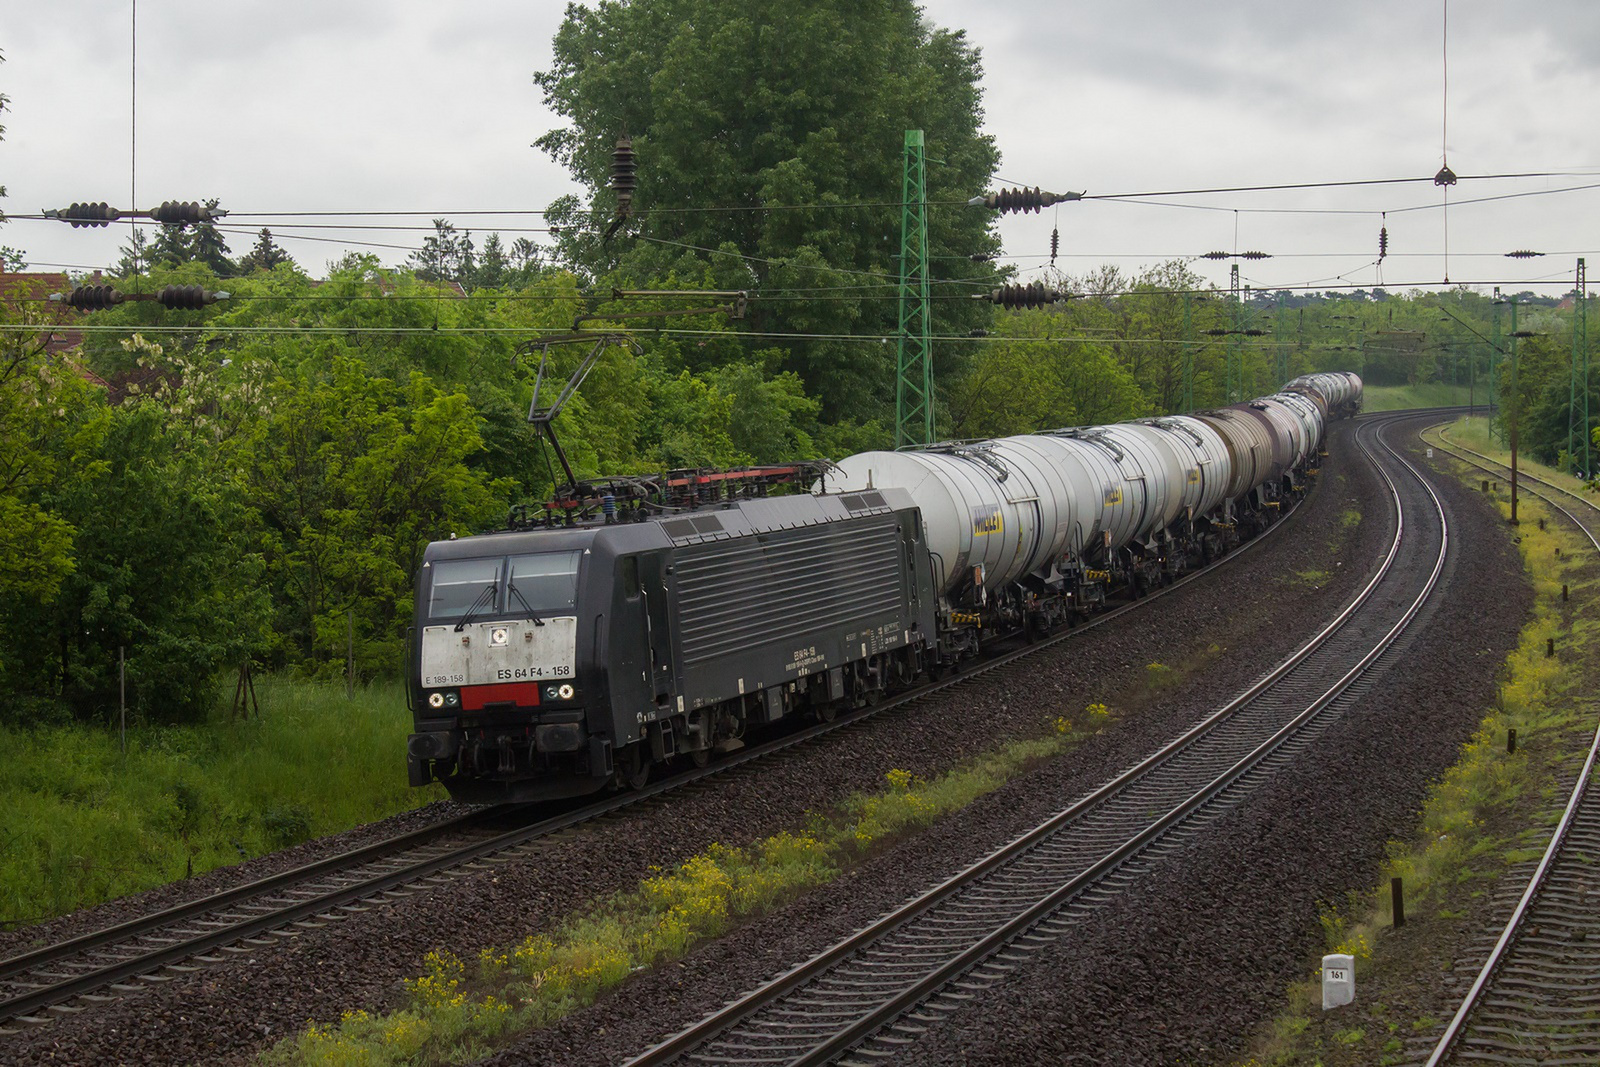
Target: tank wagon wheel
{"points": [[1034, 628], [700, 757]]}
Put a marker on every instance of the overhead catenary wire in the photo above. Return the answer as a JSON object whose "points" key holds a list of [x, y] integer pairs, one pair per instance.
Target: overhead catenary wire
{"points": [[896, 204]]}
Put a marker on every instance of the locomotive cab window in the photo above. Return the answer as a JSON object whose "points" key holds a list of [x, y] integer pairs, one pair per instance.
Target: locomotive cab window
{"points": [[461, 585], [542, 583], [630, 577]]}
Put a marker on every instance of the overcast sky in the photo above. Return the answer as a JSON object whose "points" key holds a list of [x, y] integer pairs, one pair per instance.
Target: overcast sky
{"points": [[407, 105]]}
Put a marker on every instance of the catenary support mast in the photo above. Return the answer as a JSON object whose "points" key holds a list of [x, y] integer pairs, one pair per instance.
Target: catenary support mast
{"points": [[914, 387]]}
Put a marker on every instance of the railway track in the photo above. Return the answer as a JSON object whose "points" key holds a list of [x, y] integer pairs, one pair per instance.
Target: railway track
{"points": [[873, 995], [1537, 997], [1589, 522], [75, 975]]}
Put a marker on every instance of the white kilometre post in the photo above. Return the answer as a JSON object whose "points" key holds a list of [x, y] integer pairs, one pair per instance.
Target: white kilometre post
{"points": [[1338, 980]]}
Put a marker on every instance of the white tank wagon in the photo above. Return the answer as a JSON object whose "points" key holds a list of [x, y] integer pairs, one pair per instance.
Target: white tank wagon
{"points": [[1340, 391], [1313, 421], [1028, 531], [991, 510], [1251, 449], [1206, 455]]}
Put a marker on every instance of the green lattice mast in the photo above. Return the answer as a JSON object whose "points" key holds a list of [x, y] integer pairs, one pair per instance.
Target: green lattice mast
{"points": [[1495, 352], [1578, 430], [1188, 351], [1283, 348], [1235, 352], [914, 390]]}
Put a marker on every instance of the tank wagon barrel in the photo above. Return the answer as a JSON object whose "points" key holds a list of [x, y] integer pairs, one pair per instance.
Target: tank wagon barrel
{"points": [[663, 618]]}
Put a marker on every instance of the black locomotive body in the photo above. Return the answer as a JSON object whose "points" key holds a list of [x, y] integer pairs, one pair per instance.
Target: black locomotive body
{"points": [[554, 661]]}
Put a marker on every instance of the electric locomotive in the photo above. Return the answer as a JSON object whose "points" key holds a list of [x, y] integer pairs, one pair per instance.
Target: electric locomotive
{"points": [[554, 659]]}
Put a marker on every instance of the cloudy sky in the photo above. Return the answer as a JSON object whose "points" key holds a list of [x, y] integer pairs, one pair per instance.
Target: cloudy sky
{"points": [[407, 105]]}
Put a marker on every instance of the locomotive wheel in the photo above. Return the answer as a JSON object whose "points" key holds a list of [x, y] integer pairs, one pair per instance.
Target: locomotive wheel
{"points": [[826, 712], [633, 769], [700, 757]]}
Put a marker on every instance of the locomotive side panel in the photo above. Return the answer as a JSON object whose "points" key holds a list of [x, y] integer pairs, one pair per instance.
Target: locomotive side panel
{"points": [[765, 609]]}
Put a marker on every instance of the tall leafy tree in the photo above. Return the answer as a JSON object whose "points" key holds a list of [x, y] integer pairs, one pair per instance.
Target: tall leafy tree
{"points": [[1039, 373], [264, 255], [12, 259], [493, 269], [351, 476], [157, 573], [175, 245], [446, 255], [769, 137], [48, 424]]}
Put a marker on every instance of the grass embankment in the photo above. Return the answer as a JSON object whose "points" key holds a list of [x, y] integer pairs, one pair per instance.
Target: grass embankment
{"points": [[1431, 395], [458, 1010], [1491, 810], [86, 823], [1474, 434]]}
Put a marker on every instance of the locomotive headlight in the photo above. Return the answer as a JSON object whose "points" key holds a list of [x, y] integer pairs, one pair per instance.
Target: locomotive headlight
{"points": [[435, 700], [452, 698], [499, 636], [565, 692]]}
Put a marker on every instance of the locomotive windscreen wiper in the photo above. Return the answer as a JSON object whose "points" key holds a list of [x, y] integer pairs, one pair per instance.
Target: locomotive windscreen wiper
{"points": [[485, 599], [512, 586]]}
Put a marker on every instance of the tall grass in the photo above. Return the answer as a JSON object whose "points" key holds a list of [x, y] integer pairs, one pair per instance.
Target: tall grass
{"points": [[87, 823], [1431, 395], [1474, 433]]}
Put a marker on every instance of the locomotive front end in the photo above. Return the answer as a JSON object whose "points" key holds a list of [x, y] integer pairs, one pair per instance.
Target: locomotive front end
{"points": [[496, 690]]}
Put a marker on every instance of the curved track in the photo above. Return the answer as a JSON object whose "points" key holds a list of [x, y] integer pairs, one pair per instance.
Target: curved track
{"points": [[1586, 517], [875, 993], [1537, 997], [73, 975]]}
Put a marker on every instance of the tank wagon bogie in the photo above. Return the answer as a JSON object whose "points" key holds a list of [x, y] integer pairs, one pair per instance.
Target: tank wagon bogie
{"points": [[646, 620]]}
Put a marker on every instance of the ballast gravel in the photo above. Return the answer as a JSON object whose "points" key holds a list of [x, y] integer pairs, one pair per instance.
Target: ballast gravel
{"points": [[1242, 906]]}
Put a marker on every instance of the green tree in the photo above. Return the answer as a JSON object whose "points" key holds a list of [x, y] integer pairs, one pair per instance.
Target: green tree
{"points": [[351, 476], [446, 255], [493, 269], [1040, 374], [770, 418], [49, 419], [175, 245], [156, 572], [769, 141], [265, 254]]}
